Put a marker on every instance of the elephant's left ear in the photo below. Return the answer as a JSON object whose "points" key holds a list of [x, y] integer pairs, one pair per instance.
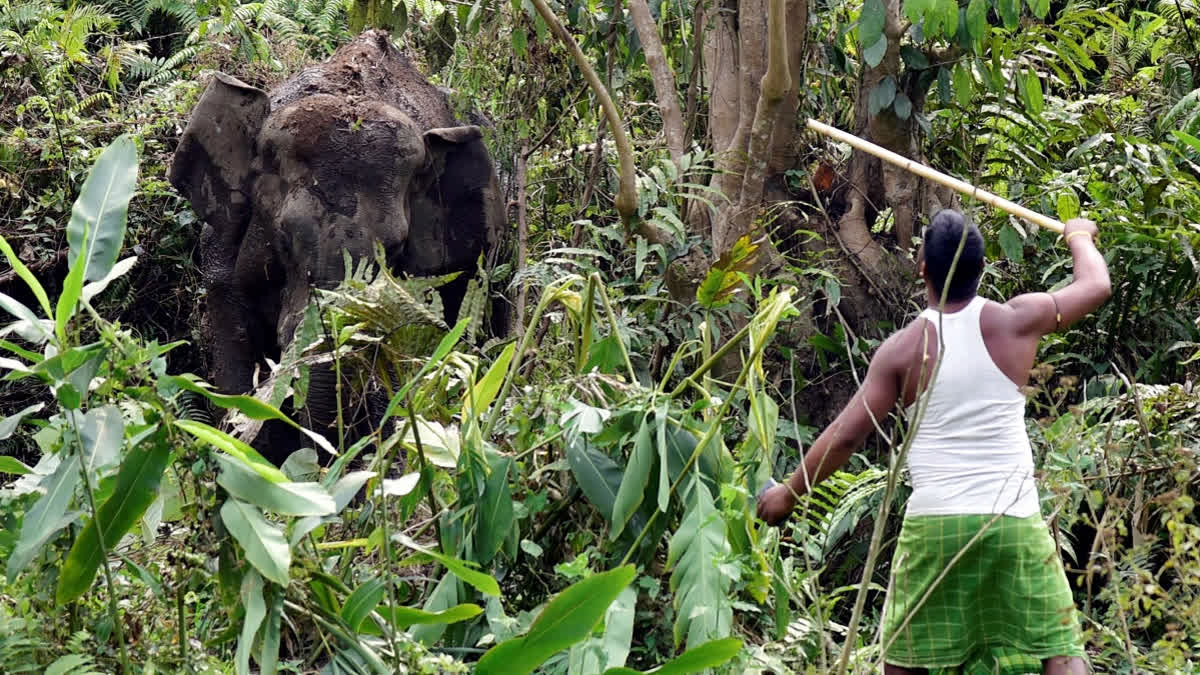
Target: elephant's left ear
{"points": [[452, 135]]}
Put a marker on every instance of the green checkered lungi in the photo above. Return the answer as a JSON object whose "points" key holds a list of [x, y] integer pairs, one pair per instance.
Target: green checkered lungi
{"points": [[1002, 607]]}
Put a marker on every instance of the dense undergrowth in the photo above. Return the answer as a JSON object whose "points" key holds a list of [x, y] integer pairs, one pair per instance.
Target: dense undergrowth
{"points": [[608, 474]]}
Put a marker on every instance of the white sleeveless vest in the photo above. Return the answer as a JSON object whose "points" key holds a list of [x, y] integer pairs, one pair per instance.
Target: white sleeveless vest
{"points": [[971, 454]]}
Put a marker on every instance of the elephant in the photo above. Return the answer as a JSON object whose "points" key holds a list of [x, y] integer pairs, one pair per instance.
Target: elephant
{"points": [[355, 152]]}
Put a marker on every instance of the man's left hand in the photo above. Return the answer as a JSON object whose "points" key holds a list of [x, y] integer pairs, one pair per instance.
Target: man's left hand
{"points": [[776, 504]]}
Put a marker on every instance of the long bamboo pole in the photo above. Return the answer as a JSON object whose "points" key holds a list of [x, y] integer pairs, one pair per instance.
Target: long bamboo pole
{"points": [[938, 177]]}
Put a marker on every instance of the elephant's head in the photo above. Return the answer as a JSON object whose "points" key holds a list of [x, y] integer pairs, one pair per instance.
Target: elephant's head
{"points": [[354, 151]]}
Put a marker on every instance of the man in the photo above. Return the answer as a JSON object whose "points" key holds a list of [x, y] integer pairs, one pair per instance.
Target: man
{"points": [[1005, 600]]}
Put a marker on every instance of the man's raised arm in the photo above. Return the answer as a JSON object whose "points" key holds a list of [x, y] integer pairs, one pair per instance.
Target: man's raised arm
{"points": [[1043, 313]]}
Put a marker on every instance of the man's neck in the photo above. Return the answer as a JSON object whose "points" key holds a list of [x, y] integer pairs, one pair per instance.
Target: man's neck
{"points": [[935, 302]]}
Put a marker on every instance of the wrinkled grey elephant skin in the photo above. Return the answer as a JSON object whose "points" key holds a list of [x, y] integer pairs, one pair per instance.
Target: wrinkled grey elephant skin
{"points": [[356, 150]]}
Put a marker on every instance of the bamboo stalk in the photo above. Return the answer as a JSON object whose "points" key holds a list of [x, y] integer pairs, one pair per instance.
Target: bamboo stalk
{"points": [[938, 177]]}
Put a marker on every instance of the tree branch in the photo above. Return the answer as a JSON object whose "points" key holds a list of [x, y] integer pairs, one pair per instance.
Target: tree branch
{"points": [[626, 198], [664, 79]]}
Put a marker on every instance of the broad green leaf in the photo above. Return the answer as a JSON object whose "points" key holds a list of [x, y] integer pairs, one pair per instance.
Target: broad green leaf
{"points": [[47, 516], [481, 581], [1040, 8], [495, 512], [1187, 138], [915, 10], [874, 52], [597, 475], [703, 608], [442, 445], [724, 279], [963, 89], [235, 448], [362, 602], [268, 659], [567, 619], [661, 415], [262, 541], [443, 598], [301, 464], [97, 287], [1067, 205], [882, 95], [902, 105], [27, 276], [485, 390], [287, 498], [97, 227], [256, 611], [1010, 12], [347, 486], [1033, 93], [914, 58], [250, 407], [1011, 243], [637, 476], [9, 424], [101, 433], [708, 655], [977, 23], [403, 617], [12, 465], [28, 325], [870, 22], [948, 9], [398, 487], [136, 488], [609, 649]]}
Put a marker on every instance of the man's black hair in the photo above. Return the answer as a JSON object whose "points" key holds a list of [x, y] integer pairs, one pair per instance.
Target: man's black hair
{"points": [[942, 238]]}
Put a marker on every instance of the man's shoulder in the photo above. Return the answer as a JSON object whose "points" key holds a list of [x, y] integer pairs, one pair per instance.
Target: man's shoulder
{"points": [[900, 349]]}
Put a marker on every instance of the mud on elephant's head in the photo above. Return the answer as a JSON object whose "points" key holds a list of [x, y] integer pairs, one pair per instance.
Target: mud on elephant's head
{"points": [[356, 150]]}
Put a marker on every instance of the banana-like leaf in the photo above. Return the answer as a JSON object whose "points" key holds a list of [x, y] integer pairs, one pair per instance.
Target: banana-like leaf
{"points": [[287, 498], [484, 391], [403, 617], [708, 655], [47, 516], [569, 618], [97, 227], [703, 609], [495, 512], [248, 406], [636, 477], [264, 543], [611, 648], [597, 475], [96, 230], [362, 602], [136, 489], [8, 425], [27, 276], [481, 581], [256, 611], [235, 448]]}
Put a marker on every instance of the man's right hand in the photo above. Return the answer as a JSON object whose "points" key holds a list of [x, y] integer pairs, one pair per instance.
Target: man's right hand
{"points": [[776, 504], [1081, 225]]}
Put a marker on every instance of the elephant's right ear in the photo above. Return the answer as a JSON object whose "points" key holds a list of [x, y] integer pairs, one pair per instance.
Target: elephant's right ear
{"points": [[212, 164]]}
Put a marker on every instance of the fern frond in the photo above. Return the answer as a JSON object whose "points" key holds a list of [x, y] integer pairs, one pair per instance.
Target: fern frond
{"points": [[834, 507], [92, 102]]}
